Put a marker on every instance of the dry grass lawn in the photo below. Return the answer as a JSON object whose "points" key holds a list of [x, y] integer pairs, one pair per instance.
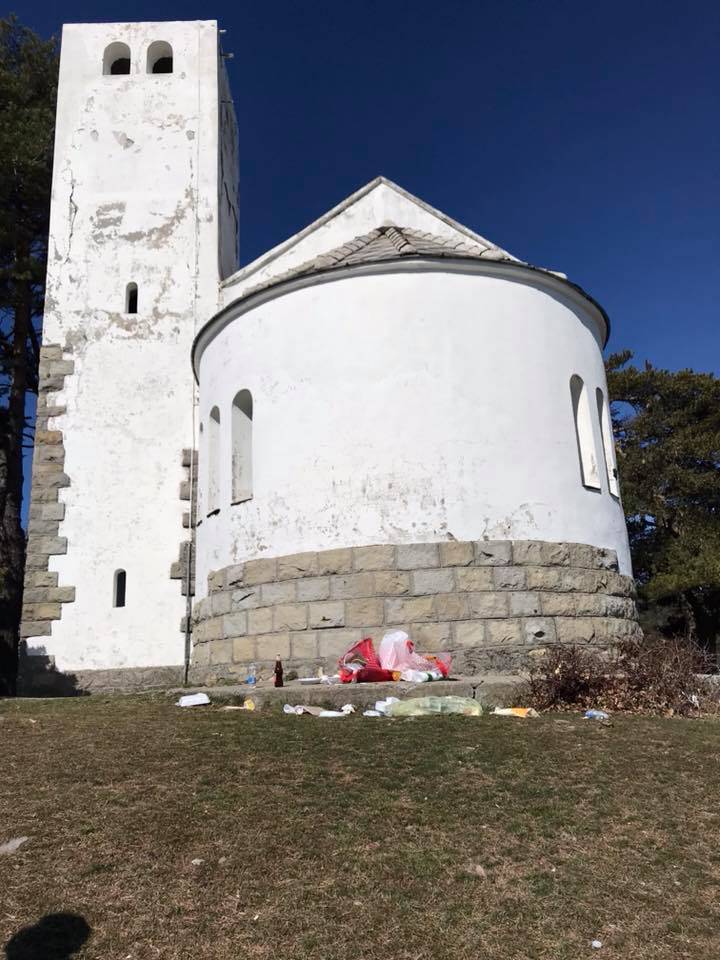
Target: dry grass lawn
{"points": [[357, 839]]}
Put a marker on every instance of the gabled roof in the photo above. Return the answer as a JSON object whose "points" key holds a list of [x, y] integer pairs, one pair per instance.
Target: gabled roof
{"points": [[380, 203], [389, 243]]}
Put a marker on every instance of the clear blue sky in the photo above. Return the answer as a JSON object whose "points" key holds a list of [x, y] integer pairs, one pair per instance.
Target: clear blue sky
{"points": [[581, 137]]}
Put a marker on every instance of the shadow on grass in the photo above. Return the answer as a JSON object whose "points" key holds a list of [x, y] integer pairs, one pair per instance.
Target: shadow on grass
{"points": [[39, 677], [56, 936]]}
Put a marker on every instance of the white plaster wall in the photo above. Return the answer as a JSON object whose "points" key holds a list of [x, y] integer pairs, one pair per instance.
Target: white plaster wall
{"points": [[135, 195], [408, 405], [379, 203]]}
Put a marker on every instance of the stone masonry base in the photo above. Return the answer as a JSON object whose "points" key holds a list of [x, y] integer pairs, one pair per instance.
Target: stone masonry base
{"points": [[491, 604]]}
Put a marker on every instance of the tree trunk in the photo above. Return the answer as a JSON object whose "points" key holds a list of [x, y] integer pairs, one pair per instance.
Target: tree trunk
{"points": [[12, 536]]}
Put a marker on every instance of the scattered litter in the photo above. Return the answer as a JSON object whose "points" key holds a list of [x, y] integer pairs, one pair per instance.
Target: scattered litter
{"points": [[429, 706], [222, 860], [397, 660], [309, 680], [12, 845], [193, 700], [523, 712], [372, 713], [301, 708], [256, 917], [596, 715], [251, 675], [421, 676], [596, 944], [196, 862], [476, 870], [694, 700], [383, 706], [247, 705]]}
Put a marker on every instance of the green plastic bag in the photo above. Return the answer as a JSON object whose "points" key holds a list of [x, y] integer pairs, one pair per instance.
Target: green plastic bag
{"points": [[430, 706]]}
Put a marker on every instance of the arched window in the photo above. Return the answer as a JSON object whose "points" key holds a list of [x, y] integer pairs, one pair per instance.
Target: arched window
{"points": [[608, 443], [131, 298], [584, 434], [119, 583], [160, 57], [116, 59], [213, 487], [242, 416]]}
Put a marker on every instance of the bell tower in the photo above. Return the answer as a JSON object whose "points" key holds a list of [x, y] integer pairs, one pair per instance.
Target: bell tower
{"points": [[143, 228]]}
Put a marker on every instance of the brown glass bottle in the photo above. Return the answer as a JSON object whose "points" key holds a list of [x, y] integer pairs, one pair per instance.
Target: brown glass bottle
{"points": [[278, 672]]}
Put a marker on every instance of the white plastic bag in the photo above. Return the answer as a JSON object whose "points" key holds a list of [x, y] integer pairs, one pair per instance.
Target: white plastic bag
{"points": [[397, 652]]}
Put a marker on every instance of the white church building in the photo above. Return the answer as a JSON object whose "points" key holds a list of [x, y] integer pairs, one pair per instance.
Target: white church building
{"points": [[387, 421]]}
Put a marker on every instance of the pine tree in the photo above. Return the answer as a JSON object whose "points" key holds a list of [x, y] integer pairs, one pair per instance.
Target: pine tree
{"points": [[28, 89], [667, 432]]}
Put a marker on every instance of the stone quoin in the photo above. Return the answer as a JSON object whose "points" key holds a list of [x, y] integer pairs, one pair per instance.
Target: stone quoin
{"points": [[385, 421]]}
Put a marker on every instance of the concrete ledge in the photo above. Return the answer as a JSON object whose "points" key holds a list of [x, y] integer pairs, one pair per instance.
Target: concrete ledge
{"points": [[490, 689]]}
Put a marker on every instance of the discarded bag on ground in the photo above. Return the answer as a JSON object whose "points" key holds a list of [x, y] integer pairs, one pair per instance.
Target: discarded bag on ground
{"points": [[524, 713], [360, 664], [397, 653], [431, 706]]}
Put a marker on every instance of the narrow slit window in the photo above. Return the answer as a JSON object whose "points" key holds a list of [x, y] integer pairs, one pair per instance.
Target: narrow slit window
{"points": [[160, 57], [131, 298], [119, 588], [242, 424], [116, 59], [213, 487], [584, 434], [608, 443]]}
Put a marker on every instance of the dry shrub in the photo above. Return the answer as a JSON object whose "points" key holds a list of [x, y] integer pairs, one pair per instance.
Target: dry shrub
{"points": [[649, 675]]}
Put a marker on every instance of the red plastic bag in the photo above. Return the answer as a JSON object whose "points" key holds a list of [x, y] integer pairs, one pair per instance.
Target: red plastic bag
{"points": [[362, 653], [366, 675]]}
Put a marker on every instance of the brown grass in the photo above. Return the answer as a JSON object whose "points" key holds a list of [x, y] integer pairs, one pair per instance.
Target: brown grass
{"points": [[359, 839]]}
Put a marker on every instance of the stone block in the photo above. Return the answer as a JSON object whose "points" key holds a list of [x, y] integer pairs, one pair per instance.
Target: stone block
{"points": [[558, 604], [575, 630], [352, 585], [42, 578], [269, 646], [489, 604], [524, 604], [297, 565], [260, 620], [456, 553], [510, 578], [50, 546], [391, 583], [539, 630], [49, 453], [244, 599], [364, 613], [233, 577], [33, 628], [60, 367], [201, 609], [244, 649], [377, 557], [221, 651], [590, 604], [493, 553], [209, 629], [42, 528], [284, 591], [220, 603], [235, 624], [47, 511], [474, 578], [619, 585], [313, 588], [470, 633], [414, 556], [527, 552], [61, 594], [200, 655], [45, 493], [582, 555], [620, 607], [451, 606], [332, 644], [324, 615], [409, 609], [335, 561], [41, 611], [290, 616], [185, 490], [546, 578], [431, 637], [48, 352], [260, 571], [606, 559], [304, 645], [504, 633], [188, 457], [215, 580], [432, 581]]}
